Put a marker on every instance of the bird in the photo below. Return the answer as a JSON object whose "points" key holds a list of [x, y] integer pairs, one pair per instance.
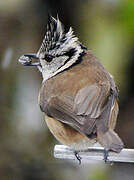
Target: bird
{"points": [[78, 96]]}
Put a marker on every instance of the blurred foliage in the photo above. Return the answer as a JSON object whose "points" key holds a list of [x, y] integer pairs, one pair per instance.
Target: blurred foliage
{"points": [[106, 27], [127, 17], [99, 174]]}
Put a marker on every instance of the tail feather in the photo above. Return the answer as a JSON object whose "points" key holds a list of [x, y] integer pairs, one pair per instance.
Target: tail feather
{"points": [[110, 141]]}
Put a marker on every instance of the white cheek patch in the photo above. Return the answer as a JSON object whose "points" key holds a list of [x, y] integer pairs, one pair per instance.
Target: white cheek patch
{"points": [[51, 69], [39, 68], [58, 64]]}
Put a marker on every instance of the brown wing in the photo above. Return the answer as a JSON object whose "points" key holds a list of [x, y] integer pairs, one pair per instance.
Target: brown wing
{"points": [[80, 112], [90, 100]]}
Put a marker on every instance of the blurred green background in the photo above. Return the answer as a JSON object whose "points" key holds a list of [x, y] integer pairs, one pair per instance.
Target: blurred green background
{"points": [[26, 145]]}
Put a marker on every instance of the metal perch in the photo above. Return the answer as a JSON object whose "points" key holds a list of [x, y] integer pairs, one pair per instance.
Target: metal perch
{"points": [[94, 153]]}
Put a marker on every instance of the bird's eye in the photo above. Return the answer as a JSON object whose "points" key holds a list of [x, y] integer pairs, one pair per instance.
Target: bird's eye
{"points": [[48, 57]]}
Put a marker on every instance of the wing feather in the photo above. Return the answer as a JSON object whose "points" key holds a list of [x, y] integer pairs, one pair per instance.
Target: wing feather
{"points": [[80, 112], [90, 100]]}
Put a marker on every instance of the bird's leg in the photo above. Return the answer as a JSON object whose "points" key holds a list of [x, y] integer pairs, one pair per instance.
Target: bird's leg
{"points": [[106, 160], [76, 153], [105, 156]]}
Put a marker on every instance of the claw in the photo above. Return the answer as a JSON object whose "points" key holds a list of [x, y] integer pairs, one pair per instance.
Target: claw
{"points": [[77, 157], [106, 160], [105, 156]]}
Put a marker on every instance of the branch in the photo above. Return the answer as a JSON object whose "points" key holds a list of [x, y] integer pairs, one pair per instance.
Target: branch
{"points": [[94, 153]]}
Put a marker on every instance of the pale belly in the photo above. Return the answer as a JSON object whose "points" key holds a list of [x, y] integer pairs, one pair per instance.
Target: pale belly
{"points": [[67, 135]]}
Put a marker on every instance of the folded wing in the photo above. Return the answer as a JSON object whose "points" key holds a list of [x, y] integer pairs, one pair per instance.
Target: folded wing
{"points": [[82, 111]]}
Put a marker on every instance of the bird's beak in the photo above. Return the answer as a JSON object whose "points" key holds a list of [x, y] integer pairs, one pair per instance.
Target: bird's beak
{"points": [[27, 60]]}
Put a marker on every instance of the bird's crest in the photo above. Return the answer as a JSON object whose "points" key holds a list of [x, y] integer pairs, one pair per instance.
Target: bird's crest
{"points": [[56, 41]]}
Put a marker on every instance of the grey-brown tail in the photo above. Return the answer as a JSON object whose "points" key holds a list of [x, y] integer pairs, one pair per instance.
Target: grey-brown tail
{"points": [[110, 141]]}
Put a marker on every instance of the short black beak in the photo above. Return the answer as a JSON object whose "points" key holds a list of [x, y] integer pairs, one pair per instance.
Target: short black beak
{"points": [[26, 60]]}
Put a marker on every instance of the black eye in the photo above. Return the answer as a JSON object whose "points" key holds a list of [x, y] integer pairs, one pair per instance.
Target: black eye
{"points": [[48, 57]]}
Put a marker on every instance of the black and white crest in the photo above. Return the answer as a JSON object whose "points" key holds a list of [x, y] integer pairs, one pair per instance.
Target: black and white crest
{"points": [[59, 49], [57, 42]]}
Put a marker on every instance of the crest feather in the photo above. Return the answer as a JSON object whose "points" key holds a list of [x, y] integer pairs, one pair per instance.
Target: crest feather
{"points": [[56, 40]]}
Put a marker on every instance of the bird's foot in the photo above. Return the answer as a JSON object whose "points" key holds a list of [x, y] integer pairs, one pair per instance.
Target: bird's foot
{"points": [[77, 156], [106, 160]]}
